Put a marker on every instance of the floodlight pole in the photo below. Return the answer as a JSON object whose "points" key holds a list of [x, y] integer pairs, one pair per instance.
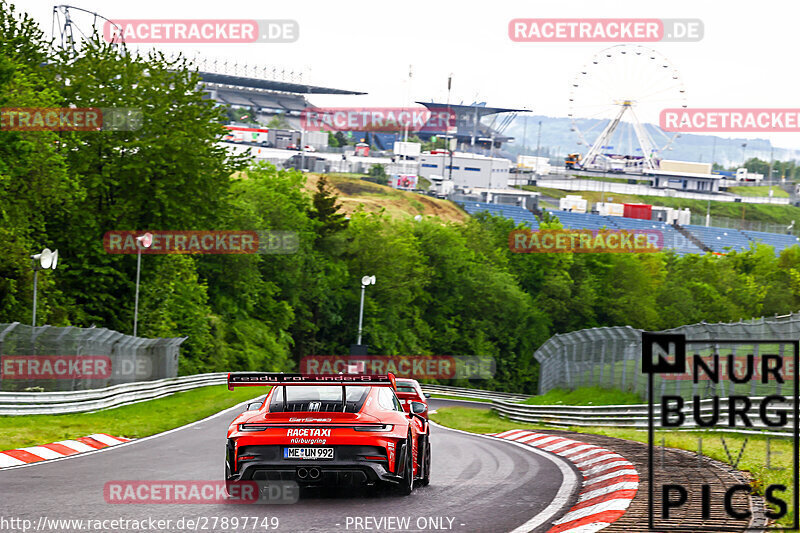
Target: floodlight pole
{"points": [[538, 145], [361, 313], [447, 128], [35, 285], [136, 299]]}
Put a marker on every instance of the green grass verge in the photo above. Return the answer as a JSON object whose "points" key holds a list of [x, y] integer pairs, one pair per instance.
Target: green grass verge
{"points": [[132, 421], [586, 396], [759, 190], [753, 459], [445, 397]]}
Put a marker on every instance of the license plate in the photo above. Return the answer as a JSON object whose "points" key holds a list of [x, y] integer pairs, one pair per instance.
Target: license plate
{"points": [[308, 453]]}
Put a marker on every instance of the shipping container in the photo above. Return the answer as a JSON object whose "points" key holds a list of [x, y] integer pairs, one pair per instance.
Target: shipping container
{"points": [[641, 211], [610, 209], [573, 203]]}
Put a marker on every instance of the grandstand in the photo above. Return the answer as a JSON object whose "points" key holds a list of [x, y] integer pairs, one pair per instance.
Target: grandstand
{"points": [[673, 239], [517, 214], [779, 241], [719, 240], [471, 133], [264, 98]]}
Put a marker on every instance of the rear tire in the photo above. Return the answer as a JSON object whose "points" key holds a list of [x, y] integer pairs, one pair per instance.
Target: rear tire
{"points": [[426, 461], [407, 485]]}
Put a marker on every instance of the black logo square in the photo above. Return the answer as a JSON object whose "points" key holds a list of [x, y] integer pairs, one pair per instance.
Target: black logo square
{"points": [[658, 344]]}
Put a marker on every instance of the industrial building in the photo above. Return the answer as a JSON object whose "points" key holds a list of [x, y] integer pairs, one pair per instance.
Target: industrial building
{"points": [[465, 169]]}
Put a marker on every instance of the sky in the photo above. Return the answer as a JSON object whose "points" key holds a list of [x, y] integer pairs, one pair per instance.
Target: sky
{"points": [[745, 59]]}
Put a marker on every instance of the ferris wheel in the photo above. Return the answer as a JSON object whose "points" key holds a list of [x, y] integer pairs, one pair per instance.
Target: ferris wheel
{"points": [[614, 106]]}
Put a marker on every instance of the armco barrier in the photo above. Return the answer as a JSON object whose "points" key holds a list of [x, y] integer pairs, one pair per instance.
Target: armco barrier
{"points": [[634, 416], [49, 403], [445, 390]]}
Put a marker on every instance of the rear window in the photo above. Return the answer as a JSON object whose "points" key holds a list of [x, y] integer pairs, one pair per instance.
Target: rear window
{"points": [[314, 398], [406, 388]]}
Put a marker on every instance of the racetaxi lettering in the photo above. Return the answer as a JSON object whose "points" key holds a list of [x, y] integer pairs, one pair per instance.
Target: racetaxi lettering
{"points": [[308, 432]]}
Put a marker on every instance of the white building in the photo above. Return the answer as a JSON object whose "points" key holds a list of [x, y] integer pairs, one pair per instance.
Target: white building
{"points": [[468, 170], [537, 165]]}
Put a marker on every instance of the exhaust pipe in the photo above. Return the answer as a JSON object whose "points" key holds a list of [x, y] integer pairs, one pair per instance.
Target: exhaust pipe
{"points": [[302, 473], [313, 473]]}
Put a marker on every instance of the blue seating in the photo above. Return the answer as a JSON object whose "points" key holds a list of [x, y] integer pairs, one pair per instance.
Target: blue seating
{"points": [[720, 240], [517, 214], [672, 238], [777, 240]]}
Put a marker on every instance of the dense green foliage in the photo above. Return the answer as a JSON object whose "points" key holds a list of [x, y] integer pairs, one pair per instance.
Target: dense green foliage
{"points": [[441, 288]]}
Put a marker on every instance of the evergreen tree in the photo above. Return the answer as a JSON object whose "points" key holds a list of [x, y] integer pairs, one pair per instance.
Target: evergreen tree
{"points": [[326, 211]]}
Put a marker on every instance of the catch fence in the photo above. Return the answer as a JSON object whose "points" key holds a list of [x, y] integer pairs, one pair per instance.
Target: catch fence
{"points": [[611, 358], [52, 358]]}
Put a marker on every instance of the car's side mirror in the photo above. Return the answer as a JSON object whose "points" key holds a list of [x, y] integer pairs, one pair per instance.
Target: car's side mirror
{"points": [[253, 406], [427, 394], [418, 408]]}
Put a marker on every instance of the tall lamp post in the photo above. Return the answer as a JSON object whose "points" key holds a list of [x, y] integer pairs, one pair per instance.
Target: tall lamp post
{"points": [[366, 280], [41, 261], [142, 241]]}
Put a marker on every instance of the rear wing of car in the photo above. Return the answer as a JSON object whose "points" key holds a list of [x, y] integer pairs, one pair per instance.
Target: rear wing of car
{"points": [[261, 379]]}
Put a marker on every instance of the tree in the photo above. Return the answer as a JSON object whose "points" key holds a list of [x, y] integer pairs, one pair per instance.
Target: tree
{"points": [[435, 143], [325, 210], [333, 142], [278, 122], [342, 139], [35, 183], [378, 172]]}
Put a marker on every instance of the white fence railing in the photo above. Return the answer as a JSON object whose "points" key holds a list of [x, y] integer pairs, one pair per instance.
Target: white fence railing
{"points": [[645, 190], [636, 416], [480, 394], [48, 403]]}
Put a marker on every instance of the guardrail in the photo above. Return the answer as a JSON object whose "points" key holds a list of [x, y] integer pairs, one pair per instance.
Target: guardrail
{"points": [[636, 416], [445, 390], [49, 403]]}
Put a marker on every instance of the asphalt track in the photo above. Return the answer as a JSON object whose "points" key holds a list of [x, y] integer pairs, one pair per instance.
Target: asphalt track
{"points": [[477, 484]]}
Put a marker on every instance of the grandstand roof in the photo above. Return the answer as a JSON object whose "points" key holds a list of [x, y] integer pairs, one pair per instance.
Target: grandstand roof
{"points": [[270, 85], [482, 109]]}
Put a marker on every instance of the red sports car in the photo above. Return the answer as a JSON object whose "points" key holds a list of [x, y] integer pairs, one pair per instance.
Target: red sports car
{"points": [[409, 392], [319, 430]]}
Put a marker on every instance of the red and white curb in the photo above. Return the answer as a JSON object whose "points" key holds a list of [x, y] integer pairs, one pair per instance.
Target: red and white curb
{"points": [[610, 481], [57, 450]]}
